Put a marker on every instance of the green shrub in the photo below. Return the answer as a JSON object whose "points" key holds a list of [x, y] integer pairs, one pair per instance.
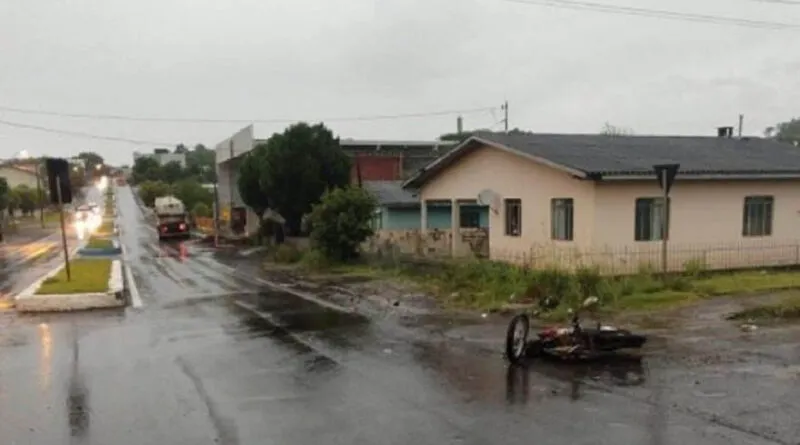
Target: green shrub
{"points": [[695, 268], [202, 210], [589, 279], [287, 253], [315, 260], [341, 222]]}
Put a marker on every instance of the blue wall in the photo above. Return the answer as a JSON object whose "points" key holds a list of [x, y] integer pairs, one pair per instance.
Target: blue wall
{"points": [[439, 217]]}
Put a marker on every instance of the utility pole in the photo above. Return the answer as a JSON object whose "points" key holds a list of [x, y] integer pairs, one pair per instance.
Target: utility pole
{"points": [[230, 187], [39, 197], [741, 123], [504, 107]]}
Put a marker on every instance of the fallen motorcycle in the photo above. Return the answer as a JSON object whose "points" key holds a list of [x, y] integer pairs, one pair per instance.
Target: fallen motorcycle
{"points": [[568, 342]]}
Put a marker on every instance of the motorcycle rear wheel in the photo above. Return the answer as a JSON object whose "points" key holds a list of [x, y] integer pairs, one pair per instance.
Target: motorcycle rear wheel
{"points": [[517, 338]]}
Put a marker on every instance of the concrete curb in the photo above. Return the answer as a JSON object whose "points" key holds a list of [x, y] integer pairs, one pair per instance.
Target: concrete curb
{"points": [[76, 302], [30, 290], [134, 299]]}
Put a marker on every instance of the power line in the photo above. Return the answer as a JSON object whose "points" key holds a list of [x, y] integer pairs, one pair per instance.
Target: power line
{"points": [[241, 121], [780, 2], [83, 135], [660, 13]]}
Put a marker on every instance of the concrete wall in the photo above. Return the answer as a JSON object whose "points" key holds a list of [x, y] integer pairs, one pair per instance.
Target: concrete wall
{"points": [[16, 176], [227, 172]]}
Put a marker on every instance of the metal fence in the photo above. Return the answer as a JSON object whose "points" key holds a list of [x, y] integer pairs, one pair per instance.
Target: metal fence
{"points": [[620, 260]]}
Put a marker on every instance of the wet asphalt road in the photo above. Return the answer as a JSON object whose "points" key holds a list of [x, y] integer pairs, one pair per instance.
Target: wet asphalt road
{"points": [[213, 357]]}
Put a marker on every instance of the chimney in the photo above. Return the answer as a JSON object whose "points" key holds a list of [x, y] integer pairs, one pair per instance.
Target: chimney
{"points": [[725, 132], [459, 125]]}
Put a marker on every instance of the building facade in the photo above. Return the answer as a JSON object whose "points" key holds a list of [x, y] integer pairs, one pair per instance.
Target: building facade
{"points": [[572, 200]]}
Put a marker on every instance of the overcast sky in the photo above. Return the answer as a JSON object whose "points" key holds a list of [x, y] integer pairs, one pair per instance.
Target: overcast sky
{"points": [[561, 70]]}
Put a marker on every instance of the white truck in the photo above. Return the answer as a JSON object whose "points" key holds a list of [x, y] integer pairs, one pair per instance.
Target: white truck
{"points": [[172, 221]]}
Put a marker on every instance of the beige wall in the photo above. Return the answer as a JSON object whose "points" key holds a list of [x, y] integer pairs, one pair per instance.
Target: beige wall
{"points": [[17, 177], [706, 217], [513, 177], [706, 223]]}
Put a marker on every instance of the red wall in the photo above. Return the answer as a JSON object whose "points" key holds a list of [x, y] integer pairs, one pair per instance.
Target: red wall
{"points": [[376, 168]]}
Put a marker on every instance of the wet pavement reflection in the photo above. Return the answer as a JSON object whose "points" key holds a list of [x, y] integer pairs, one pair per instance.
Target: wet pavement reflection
{"points": [[216, 357]]}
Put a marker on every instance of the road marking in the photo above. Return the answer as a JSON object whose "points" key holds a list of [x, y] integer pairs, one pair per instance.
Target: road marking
{"points": [[136, 299], [133, 290]]}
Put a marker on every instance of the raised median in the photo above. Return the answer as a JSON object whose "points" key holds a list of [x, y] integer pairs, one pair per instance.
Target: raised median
{"points": [[92, 284]]}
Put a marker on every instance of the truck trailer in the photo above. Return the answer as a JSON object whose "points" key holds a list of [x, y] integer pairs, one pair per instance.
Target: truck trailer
{"points": [[172, 221]]}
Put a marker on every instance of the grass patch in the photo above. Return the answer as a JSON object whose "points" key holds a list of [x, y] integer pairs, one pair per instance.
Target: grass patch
{"points": [[88, 275], [786, 309], [486, 285], [107, 226], [99, 243]]}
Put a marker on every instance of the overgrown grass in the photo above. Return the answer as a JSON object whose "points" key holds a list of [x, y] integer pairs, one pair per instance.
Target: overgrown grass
{"points": [[487, 285], [786, 309], [99, 243], [88, 275], [106, 227]]}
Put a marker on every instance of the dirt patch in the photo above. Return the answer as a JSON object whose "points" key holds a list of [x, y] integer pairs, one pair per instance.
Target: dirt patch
{"points": [[372, 293]]}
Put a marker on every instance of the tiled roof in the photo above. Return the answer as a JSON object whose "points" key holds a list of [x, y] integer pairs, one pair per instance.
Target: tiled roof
{"points": [[598, 156], [390, 193], [601, 154]]}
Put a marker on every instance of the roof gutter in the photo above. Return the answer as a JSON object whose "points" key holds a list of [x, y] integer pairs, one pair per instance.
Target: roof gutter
{"points": [[701, 177]]}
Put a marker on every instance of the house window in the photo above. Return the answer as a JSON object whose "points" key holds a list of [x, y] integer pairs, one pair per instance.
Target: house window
{"points": [[470, 218], [650, 219], [561, 219], [757, 220], [513, 217]]}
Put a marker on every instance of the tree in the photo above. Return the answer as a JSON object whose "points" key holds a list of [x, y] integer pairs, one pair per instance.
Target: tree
{"points": [[180, 148], [91, 159], [201, 210], [613, 130], [464, 135], [146, 169], [191, 193], [5, 191], [249, 182], [150, 190], [172, 171], [27, 199], [297, 167], [341, 222], [77, 181], [201, 163], [788, 131]]}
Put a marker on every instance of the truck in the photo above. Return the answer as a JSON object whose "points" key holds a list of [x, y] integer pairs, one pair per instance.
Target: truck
{"points": [[172, 221]]}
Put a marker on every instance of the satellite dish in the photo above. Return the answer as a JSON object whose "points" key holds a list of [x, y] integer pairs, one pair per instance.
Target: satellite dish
{"points": [[489, 198]]}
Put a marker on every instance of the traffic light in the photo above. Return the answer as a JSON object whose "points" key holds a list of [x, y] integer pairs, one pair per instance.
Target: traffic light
{"points": [[58, 178]]}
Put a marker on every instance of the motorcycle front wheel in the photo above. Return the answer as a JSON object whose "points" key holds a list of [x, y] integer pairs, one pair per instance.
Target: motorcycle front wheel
{"points": [[517, 338]]}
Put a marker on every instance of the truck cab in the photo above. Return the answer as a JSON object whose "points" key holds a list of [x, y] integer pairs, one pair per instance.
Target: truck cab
{"points": [[171, 218]]}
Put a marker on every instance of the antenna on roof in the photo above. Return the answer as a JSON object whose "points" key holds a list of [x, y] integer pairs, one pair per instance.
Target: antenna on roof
{"points": [[741, 123], [504, 107]]}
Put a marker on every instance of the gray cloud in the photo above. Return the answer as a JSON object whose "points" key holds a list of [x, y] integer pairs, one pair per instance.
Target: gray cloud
{"points": [[561, 70]]}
